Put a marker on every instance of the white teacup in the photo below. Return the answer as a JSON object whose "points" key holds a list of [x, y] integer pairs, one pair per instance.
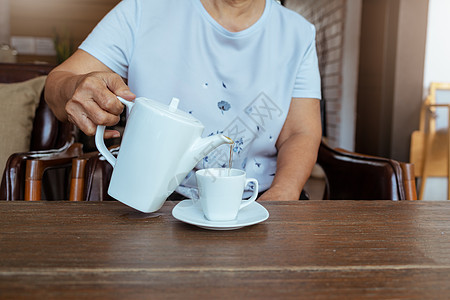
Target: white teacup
{"points": [[220, 192]]}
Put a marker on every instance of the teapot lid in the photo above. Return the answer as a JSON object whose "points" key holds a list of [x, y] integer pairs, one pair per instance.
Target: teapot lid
{"points": [[172, 111]]}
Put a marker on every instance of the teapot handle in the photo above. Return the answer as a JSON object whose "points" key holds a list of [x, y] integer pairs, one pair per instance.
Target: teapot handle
{"points": [[100, 142]]}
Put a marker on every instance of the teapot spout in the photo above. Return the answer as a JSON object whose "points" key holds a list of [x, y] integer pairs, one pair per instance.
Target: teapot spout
{"points": [[205, 145], [201, 148]]}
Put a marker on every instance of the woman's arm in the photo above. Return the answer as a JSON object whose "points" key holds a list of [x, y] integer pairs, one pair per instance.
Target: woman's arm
{"points": [[297, 146]]}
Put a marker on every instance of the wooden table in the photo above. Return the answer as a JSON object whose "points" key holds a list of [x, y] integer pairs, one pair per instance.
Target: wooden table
{"points": [[309, 249]]}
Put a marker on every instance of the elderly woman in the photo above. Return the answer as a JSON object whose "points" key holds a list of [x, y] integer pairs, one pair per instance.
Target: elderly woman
{"points": [[244, 68]]}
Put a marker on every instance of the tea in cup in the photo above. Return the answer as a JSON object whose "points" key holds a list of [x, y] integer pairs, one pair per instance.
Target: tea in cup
{"points": [[220, 192]]}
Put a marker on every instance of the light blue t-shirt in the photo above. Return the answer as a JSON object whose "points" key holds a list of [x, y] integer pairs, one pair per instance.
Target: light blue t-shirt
{"points": [[236, 83]]}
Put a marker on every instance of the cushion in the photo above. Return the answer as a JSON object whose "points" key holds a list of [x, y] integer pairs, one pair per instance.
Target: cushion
{"points": [[18, 106]]}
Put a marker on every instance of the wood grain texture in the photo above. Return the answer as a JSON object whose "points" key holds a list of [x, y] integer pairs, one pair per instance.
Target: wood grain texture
{"points": [[312, 249]]}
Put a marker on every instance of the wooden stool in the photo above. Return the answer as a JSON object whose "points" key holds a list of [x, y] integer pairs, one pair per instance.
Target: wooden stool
{"points": [[430, 147]]}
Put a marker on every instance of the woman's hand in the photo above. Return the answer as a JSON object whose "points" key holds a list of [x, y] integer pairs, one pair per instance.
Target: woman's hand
{"points": [[83, 90], [94, 102]]}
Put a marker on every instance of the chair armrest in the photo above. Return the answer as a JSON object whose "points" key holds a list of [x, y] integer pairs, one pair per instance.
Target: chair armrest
{"points": [[13, 175], [13, 181], [77, 181], [90, 177], [409, 180], [36, 166], [356, 176]]}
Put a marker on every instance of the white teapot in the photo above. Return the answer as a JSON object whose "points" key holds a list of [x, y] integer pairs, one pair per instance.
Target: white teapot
{"points": [[160, 145]]}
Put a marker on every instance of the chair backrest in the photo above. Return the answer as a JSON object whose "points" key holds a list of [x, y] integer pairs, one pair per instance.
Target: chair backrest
{"points": [[354, 176], [48, 132]]}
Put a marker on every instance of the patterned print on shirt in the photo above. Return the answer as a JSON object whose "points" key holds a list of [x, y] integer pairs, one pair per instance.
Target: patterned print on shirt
{"points": [[224, 106], [263, 110]]}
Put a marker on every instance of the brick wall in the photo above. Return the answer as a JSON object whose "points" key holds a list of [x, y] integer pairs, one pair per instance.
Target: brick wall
{"points": [[329, 18]]}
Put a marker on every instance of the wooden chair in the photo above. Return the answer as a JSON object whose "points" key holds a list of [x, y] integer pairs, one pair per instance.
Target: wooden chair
{"points": [[77, 182], [354, 176], [50, 138], [91, 175], [349, 176], [429, 150], [38, 166]]}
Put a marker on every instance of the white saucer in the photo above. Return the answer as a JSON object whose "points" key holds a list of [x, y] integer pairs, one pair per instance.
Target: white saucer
{"points": [[188, 212]]}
